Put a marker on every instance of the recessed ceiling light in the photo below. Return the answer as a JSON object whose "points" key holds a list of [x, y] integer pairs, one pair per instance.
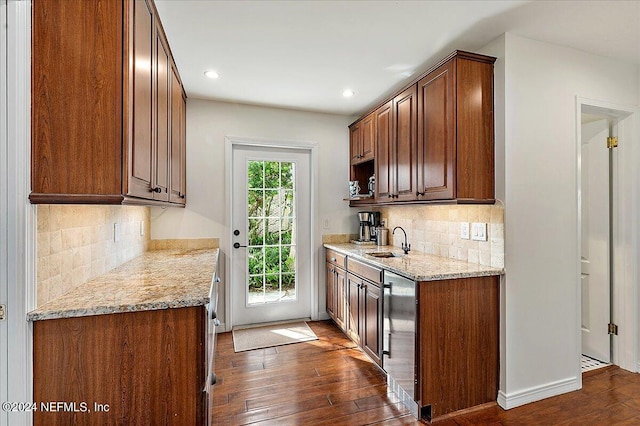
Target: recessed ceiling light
{"points": [[211, 74], [348, 93]]}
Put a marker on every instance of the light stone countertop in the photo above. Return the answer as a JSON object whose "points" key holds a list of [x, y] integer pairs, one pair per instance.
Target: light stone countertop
{"points": [[415, 265], [154, 280]]}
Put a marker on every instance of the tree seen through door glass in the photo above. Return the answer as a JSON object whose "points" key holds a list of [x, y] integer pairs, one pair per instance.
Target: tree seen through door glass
{"points": [[271, 231]]}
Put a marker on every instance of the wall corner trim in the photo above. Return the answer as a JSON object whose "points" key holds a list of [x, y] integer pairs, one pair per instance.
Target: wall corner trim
{"points": [[537, 393]]}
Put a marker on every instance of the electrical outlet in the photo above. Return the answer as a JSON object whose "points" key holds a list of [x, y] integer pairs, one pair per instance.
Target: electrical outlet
{"points": [[464, 230], [383, 223], [479, 231], [116, 232], [142, 228]]}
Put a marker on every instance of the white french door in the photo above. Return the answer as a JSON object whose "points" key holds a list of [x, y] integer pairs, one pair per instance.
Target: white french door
{"points": [[271, 275]]}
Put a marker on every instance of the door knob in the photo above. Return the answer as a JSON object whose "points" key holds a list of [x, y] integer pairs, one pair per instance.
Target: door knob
{"points": [[236, 232], [237, 245]]}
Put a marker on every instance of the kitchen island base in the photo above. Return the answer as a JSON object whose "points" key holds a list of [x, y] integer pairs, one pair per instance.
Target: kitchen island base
{"points": [[143, 367]]}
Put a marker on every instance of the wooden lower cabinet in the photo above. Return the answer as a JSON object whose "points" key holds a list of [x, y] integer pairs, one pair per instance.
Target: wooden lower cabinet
{"points": [[458, 346], [364, 325], [143, 367], [336, 291]]}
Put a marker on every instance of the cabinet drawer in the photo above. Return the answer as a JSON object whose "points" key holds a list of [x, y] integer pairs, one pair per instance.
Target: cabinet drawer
{"points": [[364, 270], [336, 258]]}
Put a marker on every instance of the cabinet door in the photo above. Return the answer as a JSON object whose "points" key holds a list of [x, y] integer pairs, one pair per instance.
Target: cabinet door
{"points": [[353, 307], [371, 320], [141, 167], [163, 111], [355, 141], [384, 138], [341, 298], [331, 291], [178, 154], [437, 134], [367, 144], [404, 154], [76, 104]]}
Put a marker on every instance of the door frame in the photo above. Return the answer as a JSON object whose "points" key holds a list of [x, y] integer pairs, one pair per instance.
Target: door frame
{"points": [[625, 244], [312, 148], [18, 239]]}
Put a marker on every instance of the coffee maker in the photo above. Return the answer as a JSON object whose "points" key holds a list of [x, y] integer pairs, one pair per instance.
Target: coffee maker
{"points": [[368, 223]]}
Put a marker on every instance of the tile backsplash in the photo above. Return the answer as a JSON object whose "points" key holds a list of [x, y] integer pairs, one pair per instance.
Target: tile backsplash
{"points": [[436, 230], [76, 243]]}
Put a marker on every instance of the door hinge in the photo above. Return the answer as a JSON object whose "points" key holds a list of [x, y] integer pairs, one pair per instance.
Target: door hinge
{"points": [[612, 142], [3, 312], [613, 329]]}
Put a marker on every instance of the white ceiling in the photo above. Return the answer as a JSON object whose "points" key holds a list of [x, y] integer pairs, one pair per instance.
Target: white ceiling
{"points": [[303, 54]]}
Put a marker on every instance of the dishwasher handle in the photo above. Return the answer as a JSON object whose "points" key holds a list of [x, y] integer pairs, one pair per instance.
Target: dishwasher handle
{"points": [[386, 310]]}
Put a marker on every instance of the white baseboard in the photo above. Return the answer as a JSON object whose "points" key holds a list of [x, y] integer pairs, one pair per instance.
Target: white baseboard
{"points": [[537, 393], [323, 316], [221, 328]]}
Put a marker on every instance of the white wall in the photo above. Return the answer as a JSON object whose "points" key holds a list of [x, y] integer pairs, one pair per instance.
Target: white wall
{"points": [[540, 303], [208, 123]]}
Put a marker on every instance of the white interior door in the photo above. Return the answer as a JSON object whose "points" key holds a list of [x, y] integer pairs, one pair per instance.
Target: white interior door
{"points": [[596, 341], [271, 276]]}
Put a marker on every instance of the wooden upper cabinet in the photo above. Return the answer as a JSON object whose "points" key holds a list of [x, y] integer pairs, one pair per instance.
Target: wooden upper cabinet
{"points": [[144, 62], [367, 142], [434, 141], [396, 148], [404, 145], [475, 156], [77, 97], [101, 119], [161, 156], [437, 134], [362, 140], [355, 138], [384, 138], [455, 131], [177, 191]]}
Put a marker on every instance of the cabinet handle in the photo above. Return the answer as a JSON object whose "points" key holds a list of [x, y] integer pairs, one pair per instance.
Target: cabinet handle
{"points": [[390, 196], [333, 259], [157, 189], [418, 193], [213, 379]]}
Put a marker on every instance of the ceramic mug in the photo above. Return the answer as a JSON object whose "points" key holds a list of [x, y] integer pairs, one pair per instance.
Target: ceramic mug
{"points": [[354, 188]]}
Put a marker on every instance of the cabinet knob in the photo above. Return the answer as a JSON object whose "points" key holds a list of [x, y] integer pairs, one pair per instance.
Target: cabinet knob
{"points": [[418, 193], [390, 196], [157, 190]]}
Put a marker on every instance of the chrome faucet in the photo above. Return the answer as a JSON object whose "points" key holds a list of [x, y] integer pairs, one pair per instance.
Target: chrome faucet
{"points": [[406, 247]]}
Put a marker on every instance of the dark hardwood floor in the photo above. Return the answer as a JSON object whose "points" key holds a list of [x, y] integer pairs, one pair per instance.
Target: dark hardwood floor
{"points": [[330, 381]]}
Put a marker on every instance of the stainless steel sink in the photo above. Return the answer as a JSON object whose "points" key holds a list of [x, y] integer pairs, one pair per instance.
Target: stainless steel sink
{"points": [[384, 254]]}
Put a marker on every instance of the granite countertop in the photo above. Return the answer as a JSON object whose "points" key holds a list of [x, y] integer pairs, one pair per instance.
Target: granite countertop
{"points": [[415, 265], [154, 280]]}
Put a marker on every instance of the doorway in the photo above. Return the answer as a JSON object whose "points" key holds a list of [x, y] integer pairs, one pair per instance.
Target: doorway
{"points": [[271, 267], [606, 206]]}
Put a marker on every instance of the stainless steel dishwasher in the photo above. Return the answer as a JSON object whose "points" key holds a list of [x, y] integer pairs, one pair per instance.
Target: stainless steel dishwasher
{"points": [[399, 337]]}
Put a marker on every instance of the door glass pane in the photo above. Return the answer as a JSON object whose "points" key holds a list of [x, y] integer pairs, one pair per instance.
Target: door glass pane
{"points": [[271, 228]]}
